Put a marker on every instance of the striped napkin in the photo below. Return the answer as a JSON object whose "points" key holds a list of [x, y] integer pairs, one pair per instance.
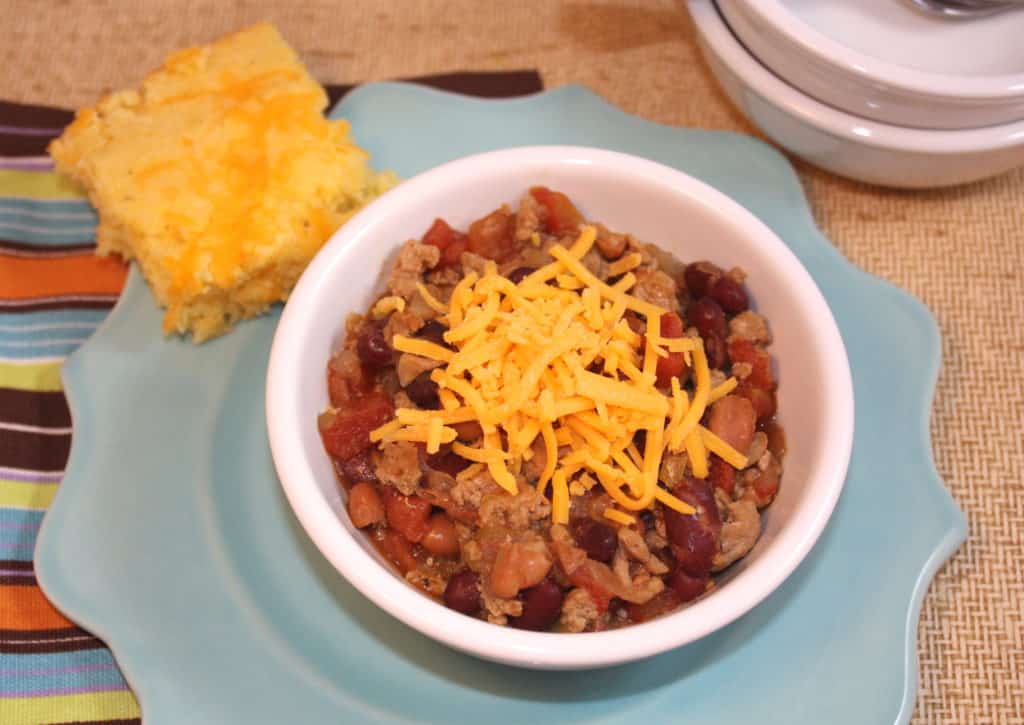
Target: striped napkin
{"points": [[53, 293]]}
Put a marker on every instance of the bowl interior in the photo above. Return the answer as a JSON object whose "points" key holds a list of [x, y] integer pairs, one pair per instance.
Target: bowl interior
{"points": [[900, 34], [655, 204]]}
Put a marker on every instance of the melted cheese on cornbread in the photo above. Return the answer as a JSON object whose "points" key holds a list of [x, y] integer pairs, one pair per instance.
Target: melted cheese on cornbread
{"points": [[534, 360], [220, 175]]}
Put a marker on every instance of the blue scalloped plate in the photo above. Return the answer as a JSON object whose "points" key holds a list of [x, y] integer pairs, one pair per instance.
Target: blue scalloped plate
{"points": [[171, 540]]}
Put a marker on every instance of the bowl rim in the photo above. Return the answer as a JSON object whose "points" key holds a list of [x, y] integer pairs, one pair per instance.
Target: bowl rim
{"points": [[511, 646], [1006, 87], [715, 31]]}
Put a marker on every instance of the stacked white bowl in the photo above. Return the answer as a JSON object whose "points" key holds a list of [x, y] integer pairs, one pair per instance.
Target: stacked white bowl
{"points": [[876, 90]]}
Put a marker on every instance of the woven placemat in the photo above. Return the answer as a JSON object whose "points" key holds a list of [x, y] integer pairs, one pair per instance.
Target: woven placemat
{"points": [[958, 250]]}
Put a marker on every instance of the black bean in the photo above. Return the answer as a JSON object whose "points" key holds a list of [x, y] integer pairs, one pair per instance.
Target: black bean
{"points": [[433, 332], [423, 391], [598, 540], [541, 606], [462, 593], [518, 274], [372, 347]]}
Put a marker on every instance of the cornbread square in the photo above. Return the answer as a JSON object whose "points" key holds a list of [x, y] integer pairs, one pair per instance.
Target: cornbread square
{"points": [[220, 175]]}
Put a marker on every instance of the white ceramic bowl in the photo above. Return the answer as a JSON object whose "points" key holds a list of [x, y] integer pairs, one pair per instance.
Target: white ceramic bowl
{"points": [[845, 144], [656, 203], [890, 61]]}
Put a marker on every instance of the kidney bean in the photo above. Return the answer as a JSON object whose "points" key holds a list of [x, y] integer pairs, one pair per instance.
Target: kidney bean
{"points": [[686, 587], [347, 432], [699, 277], [433, 331], [518, 274], [462, 593], [364, 505], [595, 538], [714, 349], [674, 364], [373, 349], [542, 604], [493, 236], [562, 216], [423, 391], [729, 294], [407, 515], [733, 419], [358, 468], [694, 538], [707, 316], [440, 537]]}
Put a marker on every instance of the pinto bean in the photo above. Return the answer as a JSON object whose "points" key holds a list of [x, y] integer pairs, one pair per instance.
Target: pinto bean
{"points": [[518, 566], [733, 419], [440, 537], [365, 506]]}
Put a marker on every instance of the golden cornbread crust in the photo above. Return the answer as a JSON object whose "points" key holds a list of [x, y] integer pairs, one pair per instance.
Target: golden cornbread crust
{"points": [[220, 176]]}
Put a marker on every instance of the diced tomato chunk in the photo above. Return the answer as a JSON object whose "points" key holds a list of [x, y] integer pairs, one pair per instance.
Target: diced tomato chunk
{"points": [[763, 488], [562, 215], [348, 432], [721, 474], [407, 515], [451, 242], [440, 234], [584, 577], [674, 365], [493, 236], [398, 550], [744, 351]]}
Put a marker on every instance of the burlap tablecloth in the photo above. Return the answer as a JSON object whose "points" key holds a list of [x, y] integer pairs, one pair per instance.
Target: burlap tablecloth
{"points": [[958, 250]]}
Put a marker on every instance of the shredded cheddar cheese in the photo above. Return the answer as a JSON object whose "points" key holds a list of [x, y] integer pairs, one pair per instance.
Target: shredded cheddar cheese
{"points": [[555, 369], [386, 305]]}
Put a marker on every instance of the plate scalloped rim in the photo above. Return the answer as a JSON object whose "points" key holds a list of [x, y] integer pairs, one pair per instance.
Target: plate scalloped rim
{"points": [[74, 590]]}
